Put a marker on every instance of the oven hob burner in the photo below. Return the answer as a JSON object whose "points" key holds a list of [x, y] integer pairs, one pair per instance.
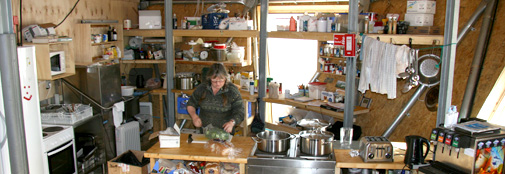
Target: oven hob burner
{"points": [[52, 129]]}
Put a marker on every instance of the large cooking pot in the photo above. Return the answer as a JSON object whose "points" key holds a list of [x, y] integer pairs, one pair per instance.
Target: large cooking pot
{"points": [[316, 143], [183, 82], [273, 141]]}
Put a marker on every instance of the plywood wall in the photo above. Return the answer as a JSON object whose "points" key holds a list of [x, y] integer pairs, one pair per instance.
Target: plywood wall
{"points": [[421, 121]]}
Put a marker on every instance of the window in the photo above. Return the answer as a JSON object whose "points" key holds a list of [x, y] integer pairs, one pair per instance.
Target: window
{"points": [[493, 109], [292, 61]]}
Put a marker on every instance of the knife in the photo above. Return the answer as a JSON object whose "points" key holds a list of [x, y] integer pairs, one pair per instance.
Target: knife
{"points": [[190, 138]]}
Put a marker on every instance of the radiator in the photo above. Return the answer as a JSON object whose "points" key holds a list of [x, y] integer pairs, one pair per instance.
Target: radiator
{"points": [[127, 137]]}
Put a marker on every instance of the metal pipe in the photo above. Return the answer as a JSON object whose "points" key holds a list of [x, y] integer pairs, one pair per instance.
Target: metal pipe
{"points": [[11, 89], [420, 90], [169, 52], [262, 85], [482, 6], [72, 87], [350, 82], [478, 59], [448, 59]]}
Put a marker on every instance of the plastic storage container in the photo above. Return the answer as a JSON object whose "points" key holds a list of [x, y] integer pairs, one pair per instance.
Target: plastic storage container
{"points": [[65, 114], [315, 89]]}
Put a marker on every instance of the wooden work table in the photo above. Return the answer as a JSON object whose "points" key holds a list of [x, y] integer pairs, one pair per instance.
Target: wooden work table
{"points": [[198, 152], [304, 105]]}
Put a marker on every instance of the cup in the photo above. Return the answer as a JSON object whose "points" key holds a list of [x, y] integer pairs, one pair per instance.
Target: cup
{"points": [[345, 136]]}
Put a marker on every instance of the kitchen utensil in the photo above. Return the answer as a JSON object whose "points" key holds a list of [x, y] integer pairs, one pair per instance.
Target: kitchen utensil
{"points": [[273, 141], [431, 99], [184, 80], [415, 150], [429, 70], [316, 143]]}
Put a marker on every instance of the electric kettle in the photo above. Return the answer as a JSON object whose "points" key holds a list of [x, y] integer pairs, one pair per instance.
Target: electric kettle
{"points": [[415, 152]]}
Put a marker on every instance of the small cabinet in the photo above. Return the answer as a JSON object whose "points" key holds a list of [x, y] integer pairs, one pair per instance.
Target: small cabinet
{"points": [[43, 52], [87, 51]]}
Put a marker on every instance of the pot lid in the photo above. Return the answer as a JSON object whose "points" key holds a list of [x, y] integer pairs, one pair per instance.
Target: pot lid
{"points": [[316, 135]]}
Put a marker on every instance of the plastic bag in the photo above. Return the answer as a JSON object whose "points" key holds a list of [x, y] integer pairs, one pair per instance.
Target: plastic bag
{"points": [[153, 83], [214, 133], [230, 168], [224, 148]]}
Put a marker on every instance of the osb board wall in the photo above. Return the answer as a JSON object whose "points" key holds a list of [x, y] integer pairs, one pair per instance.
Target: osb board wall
{"points": [[421, 121]]}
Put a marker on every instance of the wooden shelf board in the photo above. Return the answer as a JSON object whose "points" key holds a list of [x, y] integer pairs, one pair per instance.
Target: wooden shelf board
{"points": [[395, 38], [404, 38], [303, 105], [331, 57], [301, 35], [63, 75], [106, 43], [194, 33], [333, 74], [95, 60], [144, 61], [209, 63]]}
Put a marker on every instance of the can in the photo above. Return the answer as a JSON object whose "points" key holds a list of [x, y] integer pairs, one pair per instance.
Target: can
{"points": [[105, 38], [98, 38], [127, 24]]}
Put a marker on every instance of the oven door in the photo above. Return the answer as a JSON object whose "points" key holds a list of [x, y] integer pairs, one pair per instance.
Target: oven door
{"points": [[62, 159]]}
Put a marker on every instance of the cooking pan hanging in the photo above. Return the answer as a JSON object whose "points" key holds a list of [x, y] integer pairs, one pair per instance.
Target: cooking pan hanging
{"points": [[429, 70]]}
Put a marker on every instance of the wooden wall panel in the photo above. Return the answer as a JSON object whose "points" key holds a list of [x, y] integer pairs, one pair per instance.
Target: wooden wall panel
{"points": [[421, 121]]}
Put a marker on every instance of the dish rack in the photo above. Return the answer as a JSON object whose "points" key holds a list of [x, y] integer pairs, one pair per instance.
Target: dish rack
{"points": [[65, 113]]}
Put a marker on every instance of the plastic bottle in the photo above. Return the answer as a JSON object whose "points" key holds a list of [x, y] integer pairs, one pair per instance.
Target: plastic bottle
{"points": [[174, 19], [366, 24], [292, 24], [251, 86]]}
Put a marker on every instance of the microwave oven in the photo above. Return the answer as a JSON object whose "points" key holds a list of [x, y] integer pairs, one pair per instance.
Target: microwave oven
{"points": [[57, 59]]}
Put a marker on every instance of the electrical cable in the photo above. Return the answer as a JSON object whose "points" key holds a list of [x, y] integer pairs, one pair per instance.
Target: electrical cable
{"points": [[67, 14]]}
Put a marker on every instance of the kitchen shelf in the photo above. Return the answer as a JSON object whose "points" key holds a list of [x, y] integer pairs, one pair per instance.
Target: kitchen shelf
{"points": [[108, 43], [42, 51], [145, 61], [87, 53], [211, 62], [331, 57], [303, 105], [393, 38], [194, 33], [333, 74]]}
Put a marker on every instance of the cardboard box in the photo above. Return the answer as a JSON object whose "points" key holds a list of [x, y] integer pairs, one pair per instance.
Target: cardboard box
{"points": [[421, 6], [419, 19], [169, 138], [149, 19], [122, 168], [424, 30]]}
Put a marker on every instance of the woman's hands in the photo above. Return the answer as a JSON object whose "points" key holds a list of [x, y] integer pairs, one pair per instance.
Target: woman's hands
{"points": [[228, 126], [197, 121]]}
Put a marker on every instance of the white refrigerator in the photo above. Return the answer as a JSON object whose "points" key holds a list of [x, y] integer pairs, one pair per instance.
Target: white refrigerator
{"points": [[31, 109]]}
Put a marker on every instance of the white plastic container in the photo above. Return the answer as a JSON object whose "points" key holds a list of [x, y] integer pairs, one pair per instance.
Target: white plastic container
{"points": [[127, 90], [421, 6], [59, 115], [419, 19], [315, 89], [236, 55]]}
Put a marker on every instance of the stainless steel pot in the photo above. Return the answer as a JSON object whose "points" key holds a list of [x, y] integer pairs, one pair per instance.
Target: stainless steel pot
{"points": [[218, 54], [183, 83], [316, 143], [273, 141]]}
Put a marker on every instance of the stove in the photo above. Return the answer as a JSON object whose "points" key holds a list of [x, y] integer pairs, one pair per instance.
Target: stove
{"points": [[56, 135], [59, 148], [280, 163]]}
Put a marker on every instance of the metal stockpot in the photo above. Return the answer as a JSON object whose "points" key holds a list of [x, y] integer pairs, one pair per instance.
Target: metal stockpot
{"points": [[183, 82], [273, 141], [316, 143]]}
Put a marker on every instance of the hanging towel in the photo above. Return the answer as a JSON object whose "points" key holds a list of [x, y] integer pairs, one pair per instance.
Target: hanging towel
{"points": [[402, 59], [117, 113]]}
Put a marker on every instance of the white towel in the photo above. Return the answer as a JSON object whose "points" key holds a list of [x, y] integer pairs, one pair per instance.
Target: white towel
{"points": [[117, 113], [402, 59]]}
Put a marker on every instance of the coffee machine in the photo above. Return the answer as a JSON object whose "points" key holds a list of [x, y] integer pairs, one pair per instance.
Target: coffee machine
{"points": [[416, 154]]}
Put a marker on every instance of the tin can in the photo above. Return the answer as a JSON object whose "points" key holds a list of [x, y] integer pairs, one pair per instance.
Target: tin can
{"points": [[105, 38], [127, 24], [98, 38]]}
